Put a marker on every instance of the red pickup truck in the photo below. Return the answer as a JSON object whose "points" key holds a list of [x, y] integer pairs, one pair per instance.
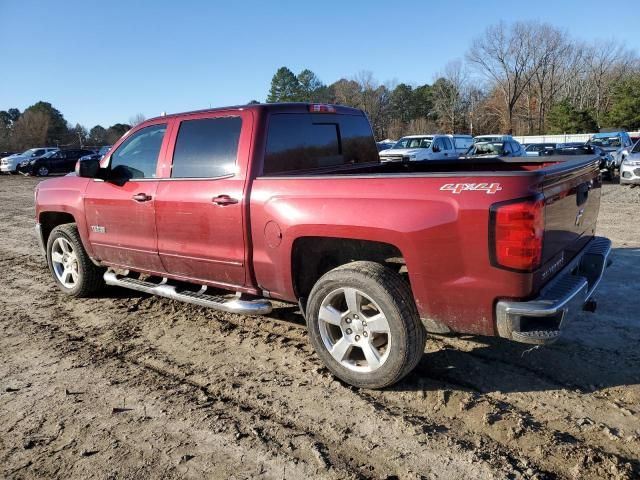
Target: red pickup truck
{"points": [[231, 207]]}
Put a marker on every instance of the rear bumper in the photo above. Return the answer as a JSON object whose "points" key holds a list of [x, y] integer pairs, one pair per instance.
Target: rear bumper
{"points": [[540, 321]]}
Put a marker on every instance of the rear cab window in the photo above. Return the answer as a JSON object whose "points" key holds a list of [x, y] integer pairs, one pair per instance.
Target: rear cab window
{"points": [[304, 142]]}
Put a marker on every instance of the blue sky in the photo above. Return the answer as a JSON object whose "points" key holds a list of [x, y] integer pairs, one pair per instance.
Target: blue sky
{"points": [[103, 62]]}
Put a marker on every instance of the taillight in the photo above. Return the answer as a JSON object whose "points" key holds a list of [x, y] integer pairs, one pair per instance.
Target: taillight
{"points": [[318, 108], [517, 230]]}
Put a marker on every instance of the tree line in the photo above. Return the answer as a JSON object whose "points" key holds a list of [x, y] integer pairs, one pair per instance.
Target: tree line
{"points": [[43, 125], [524, 78]]}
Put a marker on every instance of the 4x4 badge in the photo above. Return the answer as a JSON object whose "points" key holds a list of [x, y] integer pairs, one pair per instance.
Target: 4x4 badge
{"points": [[488, 188]]}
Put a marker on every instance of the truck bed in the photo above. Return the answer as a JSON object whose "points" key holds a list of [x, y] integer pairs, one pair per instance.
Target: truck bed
{"points": [[463, 166]]}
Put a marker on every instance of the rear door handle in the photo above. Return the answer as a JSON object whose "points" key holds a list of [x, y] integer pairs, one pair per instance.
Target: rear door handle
{"points": [[223, 200], [141, 197]]}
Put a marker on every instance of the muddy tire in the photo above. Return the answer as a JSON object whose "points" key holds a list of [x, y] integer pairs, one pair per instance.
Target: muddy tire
{"points": [[364, 324], [72, 269]]}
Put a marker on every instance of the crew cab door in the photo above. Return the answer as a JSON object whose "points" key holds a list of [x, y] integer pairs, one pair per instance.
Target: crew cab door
{"points": [[449, 150], [439, 150], [120, 210], [200, 203]]}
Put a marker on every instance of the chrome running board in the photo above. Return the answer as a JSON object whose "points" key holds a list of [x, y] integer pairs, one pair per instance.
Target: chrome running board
{"points": [[163, 289]]}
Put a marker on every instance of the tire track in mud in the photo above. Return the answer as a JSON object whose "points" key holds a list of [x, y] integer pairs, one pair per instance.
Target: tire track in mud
{"points": [[326, 447], [171, 369], [411, 417]]}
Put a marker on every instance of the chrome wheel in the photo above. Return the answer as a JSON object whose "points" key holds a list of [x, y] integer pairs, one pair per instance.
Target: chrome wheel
{"points": [[354, 330], [65, 262]]}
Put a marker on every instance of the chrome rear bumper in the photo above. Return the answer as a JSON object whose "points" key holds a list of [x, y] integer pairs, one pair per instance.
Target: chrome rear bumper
{"points": [[539, 321]]}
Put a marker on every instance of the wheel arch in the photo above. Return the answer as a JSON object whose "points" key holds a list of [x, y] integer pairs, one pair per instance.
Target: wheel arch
{"points": [[49, 220], [313, 256]]}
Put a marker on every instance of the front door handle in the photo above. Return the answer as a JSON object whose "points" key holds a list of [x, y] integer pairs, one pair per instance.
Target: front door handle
{"points": [[141, 197], [223, 200]]}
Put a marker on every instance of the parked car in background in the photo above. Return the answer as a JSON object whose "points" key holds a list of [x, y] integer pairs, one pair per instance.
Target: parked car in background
{"points": [[384, 145], [492, 138], [10, 164], [97, 155], [60, 161], [630, 167], [539, 149], [416, 148], [615, 143], [607, 164], [499, 148], [461, 142], [7, 154]]}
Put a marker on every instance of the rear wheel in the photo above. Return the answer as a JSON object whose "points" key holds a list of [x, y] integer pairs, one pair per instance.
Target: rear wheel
{"points": [[364, 325], [72, 269]]}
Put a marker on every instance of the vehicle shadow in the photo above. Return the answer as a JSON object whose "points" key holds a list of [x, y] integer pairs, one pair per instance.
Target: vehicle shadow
{"points": [[596, 351]]}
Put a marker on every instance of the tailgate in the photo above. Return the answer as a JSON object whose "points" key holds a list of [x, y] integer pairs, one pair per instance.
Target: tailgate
{"points": [[571, 191]]}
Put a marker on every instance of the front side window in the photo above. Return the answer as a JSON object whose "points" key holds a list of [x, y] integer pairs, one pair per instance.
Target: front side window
{"points": [[206, 148], [447, 143], [137, 156]]}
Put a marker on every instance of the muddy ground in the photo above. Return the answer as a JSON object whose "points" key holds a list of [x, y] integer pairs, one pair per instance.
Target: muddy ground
{"points": [[132, 386]]}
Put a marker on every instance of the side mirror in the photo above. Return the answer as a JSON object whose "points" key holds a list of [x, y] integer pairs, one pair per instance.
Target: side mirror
{"points": [[88, 168]]}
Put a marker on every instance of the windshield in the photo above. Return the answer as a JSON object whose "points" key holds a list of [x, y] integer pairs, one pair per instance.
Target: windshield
{"points": [[27, 153], [486, 148], [636, 147], [487, 139], [413, 142], [606, 141]]}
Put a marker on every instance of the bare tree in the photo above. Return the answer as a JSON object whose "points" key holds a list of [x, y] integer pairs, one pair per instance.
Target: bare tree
{"points": [[30, 130], [137, 119], [450, 92], [507, 57]]}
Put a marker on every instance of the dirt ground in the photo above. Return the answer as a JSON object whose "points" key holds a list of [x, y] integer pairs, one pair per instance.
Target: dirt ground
{"points": [[132, 386]]}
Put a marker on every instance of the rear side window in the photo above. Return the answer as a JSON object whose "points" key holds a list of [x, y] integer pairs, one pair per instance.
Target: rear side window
{"points": [[299, 142], [206, 148]]}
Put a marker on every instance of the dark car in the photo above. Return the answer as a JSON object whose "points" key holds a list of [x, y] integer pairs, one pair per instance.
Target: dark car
{"points": [[97, 155], [607, 164], [503, 148], [538, 149], [61, 161]]}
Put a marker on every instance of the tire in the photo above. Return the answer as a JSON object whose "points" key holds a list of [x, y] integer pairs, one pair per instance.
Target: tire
{"points": [[373, 355], [72, 269], [42, 171]]}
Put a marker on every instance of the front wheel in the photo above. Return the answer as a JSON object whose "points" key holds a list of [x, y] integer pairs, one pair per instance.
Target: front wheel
{"points": [[72, 269], [42, 171], [364, 325]]}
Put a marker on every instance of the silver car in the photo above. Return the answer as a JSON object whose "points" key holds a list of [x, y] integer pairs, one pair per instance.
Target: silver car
{"points": [[10, 164], [630, 167]]}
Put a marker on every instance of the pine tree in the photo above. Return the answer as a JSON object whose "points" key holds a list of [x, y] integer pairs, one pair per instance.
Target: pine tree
{"points": [[284, 87], [310, 86]]}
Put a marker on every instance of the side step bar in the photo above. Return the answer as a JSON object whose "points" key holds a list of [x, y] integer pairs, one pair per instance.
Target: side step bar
{"points": [[236, 305]]}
